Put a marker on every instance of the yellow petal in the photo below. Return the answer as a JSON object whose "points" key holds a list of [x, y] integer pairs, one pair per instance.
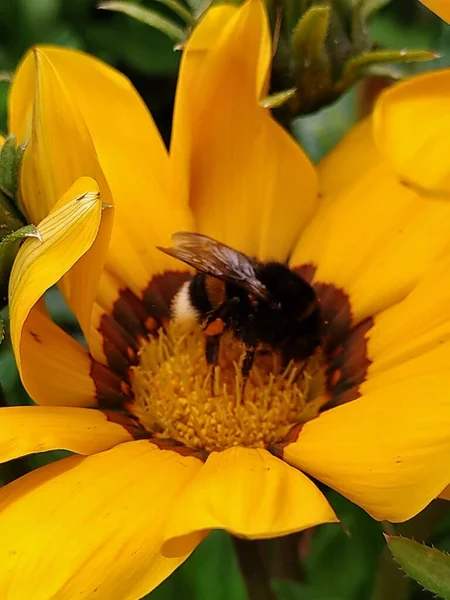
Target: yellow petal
{"points": [[66, 235], [249, 493], [94, 523], [60, 151], [371, 236], [136, 165], [133, 159], [440, 7], [87, 95], [419, 153], [250, 184], [414, 335], [29, 429], [386, 451], [55, 368]]}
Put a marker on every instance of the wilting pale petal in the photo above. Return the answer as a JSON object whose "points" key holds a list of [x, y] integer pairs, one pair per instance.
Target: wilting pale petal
{"points": [[249, 183], [29, 429], [249, 493], [95, 523], [386, 451]]}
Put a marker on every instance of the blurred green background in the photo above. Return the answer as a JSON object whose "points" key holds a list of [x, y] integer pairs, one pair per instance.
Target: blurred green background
{"points": [[334, 562]]}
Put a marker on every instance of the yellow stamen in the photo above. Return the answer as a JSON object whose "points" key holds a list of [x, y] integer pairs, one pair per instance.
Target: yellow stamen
{"points": [[177, 395]]}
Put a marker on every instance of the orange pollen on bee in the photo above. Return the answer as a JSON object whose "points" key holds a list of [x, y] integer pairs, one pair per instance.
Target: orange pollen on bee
{"points": [[178, 395], [215, 328]]}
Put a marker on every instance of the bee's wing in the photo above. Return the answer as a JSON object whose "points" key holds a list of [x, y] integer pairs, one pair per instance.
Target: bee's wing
{"points": [[218, 260]]}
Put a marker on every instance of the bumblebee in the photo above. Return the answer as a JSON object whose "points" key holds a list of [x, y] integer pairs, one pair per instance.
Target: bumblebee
{"points": [[261, 303]]}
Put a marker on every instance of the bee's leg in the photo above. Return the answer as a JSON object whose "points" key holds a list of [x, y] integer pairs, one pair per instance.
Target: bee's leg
{"points": [[248, 362], [220, 313], [213, 328], [212, 347], [247, 366]]}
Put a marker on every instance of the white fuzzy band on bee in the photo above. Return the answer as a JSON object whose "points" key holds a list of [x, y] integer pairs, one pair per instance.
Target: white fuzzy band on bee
{"points": [[182, 309]]}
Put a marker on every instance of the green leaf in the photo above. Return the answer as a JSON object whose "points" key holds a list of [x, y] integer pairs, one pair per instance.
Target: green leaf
{"points": [[147, 16], [8, 250], [291, 590], [348, 553], [428, 566]]}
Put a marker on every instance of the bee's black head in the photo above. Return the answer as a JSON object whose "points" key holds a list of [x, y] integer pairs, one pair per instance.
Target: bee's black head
{"points": [[288, 291]]}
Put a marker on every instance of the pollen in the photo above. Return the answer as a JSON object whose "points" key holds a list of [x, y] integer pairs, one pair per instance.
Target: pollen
{"points": [[178, 395]]}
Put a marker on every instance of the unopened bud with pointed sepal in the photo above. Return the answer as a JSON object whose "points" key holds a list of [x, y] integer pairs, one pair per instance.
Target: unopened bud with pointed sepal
{"points": [[325, 51], [428, 566]]}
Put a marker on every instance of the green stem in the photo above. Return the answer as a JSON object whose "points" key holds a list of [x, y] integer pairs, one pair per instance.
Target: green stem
{"points": [[253, 570], [10, 219]]}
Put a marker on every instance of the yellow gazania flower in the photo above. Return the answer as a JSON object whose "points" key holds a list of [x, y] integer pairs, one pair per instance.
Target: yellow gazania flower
{"points": [[440, 7], [116, 520]]}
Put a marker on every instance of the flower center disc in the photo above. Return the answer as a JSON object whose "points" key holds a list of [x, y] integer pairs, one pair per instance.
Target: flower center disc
{"points": [[178, 395]]}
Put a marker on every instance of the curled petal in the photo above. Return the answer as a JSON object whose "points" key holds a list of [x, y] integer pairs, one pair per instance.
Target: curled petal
{"points": [[269, 499], [65, 236]]}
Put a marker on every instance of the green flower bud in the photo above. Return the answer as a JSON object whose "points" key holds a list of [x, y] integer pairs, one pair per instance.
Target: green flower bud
{"points": [[325, 51]]}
